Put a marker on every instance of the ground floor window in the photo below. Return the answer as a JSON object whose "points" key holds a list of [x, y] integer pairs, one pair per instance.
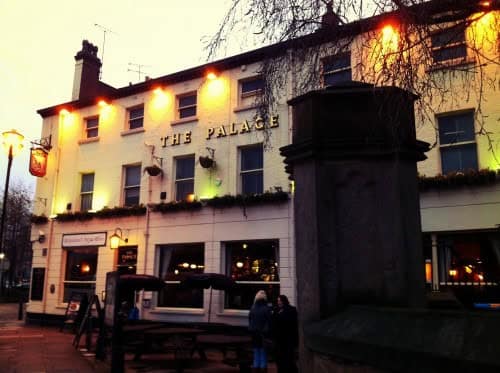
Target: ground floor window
{"points": [[81, 269], [175, 261], [469, 263], [254, 266]]}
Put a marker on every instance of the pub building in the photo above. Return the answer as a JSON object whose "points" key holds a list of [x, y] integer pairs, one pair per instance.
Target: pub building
{"points": [[181, 174]]}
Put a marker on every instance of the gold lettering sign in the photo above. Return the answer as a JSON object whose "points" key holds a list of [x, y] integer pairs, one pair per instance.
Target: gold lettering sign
{"points": [[222, 131]]}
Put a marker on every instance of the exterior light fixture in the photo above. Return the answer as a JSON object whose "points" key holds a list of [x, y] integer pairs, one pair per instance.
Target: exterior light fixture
{"points": [[63, 112], [116, 238], [211, 75], [102, 103]]}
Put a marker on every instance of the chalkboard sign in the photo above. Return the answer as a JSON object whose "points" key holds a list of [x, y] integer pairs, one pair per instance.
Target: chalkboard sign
{"points": [[75, 309], [37, 283], [110, 305]]}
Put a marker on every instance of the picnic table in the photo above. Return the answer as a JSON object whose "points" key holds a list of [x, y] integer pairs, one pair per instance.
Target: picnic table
{"points": [[181, 341], [239, 344]]}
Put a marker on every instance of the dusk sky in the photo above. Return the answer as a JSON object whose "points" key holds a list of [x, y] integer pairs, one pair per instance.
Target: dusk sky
{"points": [[41, 38]]}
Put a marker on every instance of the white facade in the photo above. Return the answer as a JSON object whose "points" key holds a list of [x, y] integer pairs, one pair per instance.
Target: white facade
{"points": [[225, 123]]}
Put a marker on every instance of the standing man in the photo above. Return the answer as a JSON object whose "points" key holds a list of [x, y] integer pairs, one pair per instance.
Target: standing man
{"points": [[286, 335]]}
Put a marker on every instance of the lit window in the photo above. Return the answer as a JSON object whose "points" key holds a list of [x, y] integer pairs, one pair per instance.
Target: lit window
{"points": [[254, 266], [250, 90], [86, 192], [81, 268], [457, 142], [136, 117], [132, 185], [251, 169], [175, 262], [184, 177], [92, 127], [449, 44], [337, 69], [187, 105]]}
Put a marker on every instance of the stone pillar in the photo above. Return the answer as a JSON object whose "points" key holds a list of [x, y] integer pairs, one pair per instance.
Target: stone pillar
{"points": [[357, 217]]}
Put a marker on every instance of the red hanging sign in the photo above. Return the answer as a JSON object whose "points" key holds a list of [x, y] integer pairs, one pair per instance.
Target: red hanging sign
{"points": [[38, 162]]}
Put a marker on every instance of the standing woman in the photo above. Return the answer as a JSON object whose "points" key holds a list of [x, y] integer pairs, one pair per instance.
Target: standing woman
{"points": [[259, 324], [286, 335]]}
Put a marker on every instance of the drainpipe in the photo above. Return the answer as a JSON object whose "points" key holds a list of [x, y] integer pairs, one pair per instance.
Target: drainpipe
{"points": [[435, 274]]}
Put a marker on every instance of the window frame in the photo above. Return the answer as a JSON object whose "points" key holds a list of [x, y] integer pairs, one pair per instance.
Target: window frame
{"points": [[448, 45], [245, 96], [177, 181], [164, 272], [459, 144], [92, 283], [130, 119], [336, 71], [180, 108], [228, 260], [85, 193], [242, 172], [131, 187], [94, 128]]}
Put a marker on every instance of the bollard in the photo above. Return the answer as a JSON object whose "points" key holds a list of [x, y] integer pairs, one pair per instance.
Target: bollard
{"points": [[20, 311]]}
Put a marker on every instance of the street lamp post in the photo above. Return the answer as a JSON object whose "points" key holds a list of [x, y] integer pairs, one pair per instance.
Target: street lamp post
{"points": [[12, 143]]}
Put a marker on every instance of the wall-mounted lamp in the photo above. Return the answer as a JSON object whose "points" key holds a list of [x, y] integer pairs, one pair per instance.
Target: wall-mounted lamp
{"points": [[41, 236], [116, 238]]}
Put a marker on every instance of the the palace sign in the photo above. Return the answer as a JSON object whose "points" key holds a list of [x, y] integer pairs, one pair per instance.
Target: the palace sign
{"points": [[222, 131], [84, 239], [38, 162]]}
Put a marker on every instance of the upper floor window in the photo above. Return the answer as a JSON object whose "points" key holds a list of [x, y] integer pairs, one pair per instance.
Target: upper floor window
{"points": [[86, 192], [186, 105], [249, 90], [337, 69], [184, 177], [91, 127], [136, 117], [132, 187], [449, 44], [457, 142], [251, 169]]}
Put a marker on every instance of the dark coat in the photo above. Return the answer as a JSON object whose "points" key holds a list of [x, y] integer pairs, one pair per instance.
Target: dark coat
{"points": [[259, 322], [285, 326]]}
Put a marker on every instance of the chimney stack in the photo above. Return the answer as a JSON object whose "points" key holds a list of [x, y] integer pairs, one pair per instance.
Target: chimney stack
{"points": [[330, 19], [87, 69]]}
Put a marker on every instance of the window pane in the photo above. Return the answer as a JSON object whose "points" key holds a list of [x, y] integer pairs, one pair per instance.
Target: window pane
{"points": [[252, 85], [89, 289], [92, 133], [136, 113], [176, 261], [449, 36], [86, 202], [187, 101], [132, 175], [252, 261], [252, 183], [251, 158], [337, 62], [184, 168], [87, 183], [187, 112], [338, 77], [459, 158], [81, 265], [132, 196], [449, 53], [92, 122], [183, 189], [456, 128], [136, 123]]}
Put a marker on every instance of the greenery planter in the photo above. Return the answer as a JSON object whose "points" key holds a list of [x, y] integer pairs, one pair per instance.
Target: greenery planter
{"points": [[459, 179]]}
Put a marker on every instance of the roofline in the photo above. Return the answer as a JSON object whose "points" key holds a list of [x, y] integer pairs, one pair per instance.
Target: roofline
{"points": [[419, 12]]}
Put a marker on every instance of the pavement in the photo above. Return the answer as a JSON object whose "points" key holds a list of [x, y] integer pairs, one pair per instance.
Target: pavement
{"points": [[44, 349]]}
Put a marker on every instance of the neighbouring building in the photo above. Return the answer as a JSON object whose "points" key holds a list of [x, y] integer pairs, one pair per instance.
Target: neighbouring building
{"points": [[187, 174]]}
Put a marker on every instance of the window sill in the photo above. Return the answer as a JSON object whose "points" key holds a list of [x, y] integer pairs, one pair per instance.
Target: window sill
{"points": [[245, 107], [233, 313], [181, 311], [88, 141], [131, 132], [451, 64], [184, 120]]}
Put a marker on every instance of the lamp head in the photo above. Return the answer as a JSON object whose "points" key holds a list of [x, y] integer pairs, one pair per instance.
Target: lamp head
{"points": [[12, 141], [116, 238]]}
